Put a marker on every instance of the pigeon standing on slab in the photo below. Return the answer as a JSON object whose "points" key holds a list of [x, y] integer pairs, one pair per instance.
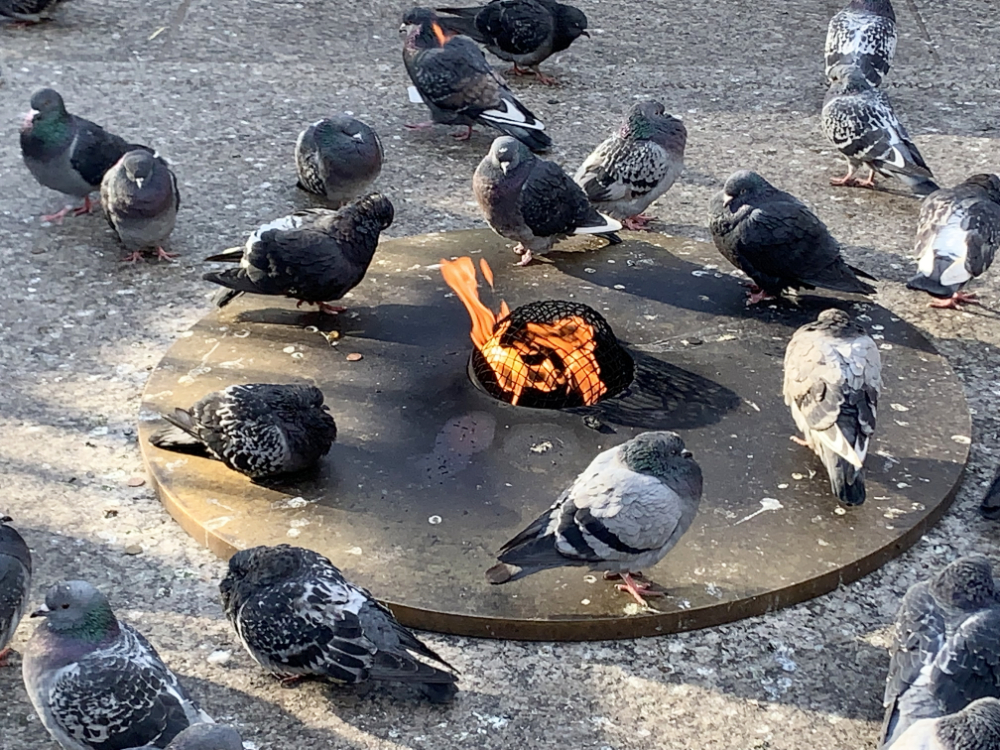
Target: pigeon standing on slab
{"points": [[975, 727], [261, 430], [459, 87], [203, 737], [140, 199], [533, 201], [957, 238], [15, 583], [315, 256], [833, 378], [298, 616], [863, 37], [623, 513], [96, 682], [28, 11], [777, 241], [636, 165], [338, 158]]}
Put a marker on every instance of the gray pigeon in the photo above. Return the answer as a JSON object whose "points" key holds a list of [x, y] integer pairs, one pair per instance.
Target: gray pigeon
{"points": [[459, 87], [28, 11], [860, 122], [957, 238], [15, 583], [67, 153], [533, 201], [945, 650], [777, 241], [140, 199], [862, 36], [203, 737], [623, 513], [975, 727], [338, 158], [261, 430], [95, 682], [297, 616], [833, 377], [315, 256], [636, 165]]}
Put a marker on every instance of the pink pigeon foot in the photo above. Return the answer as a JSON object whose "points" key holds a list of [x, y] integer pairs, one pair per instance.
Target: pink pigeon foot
{"points": [[133, 257], [463, 136], [86, 208], [637, 590], [525, 253], [848, 180], [758, 295], [162, 254], [638, 223], [420, 125], [58, 216], [798, 441], [323, 307], [953, 302], [3, 657]]}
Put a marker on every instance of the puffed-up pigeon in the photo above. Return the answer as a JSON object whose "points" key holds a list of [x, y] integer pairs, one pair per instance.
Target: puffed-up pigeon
{"points": [[96, 682], [140, 199], [338, 158], [862, 36], [28, 11], [975, 727], [203, 737], [15, 582], [298, 616]]}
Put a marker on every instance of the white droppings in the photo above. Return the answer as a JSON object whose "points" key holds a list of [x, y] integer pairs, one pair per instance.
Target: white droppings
{"points": [[219, 657], [434, 520]]}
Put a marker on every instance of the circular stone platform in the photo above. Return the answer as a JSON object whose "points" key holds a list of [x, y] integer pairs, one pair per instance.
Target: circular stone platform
{"points": [[430, 475]]}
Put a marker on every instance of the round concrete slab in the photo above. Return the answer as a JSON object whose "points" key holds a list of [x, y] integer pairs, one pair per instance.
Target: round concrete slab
{"points": [[430, 475]]}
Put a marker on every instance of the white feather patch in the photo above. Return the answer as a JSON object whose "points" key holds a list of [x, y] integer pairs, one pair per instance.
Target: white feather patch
{"points": [[610, 225], [956, 273], [834, 440], [511, 114]]}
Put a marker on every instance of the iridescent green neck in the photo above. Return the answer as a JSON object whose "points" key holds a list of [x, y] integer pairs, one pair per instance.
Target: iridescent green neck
{"points": [[50, 126], [94, 625]]}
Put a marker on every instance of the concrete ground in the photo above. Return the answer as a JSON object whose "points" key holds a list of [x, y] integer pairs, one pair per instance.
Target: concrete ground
{"points": [[222, 88]]}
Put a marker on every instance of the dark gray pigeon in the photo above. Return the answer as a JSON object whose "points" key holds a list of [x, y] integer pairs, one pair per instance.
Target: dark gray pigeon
{"points": [[636, 165], [957, 238], [297, 616], [315, 256], [15, 583], [338, 158], [862, 37], [533, 201], [622, 514], [28, 11], [203, 737], [945, 650], [67, 153], [259, 429], [524, 32], [975, 727], [777, 241], [95, 682], [833, 378], [459, 87], [140, 199], [860, 122]]}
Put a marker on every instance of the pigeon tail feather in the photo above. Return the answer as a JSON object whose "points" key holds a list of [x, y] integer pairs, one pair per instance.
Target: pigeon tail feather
{"points": [[536, 140], [846, 481], [229, 255], [930, 285], [179, 435], [918, 184]]}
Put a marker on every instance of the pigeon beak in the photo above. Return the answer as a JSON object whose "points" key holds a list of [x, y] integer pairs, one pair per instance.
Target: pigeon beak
{"points": [[42, 611], [139, 181], [686, 454], [726, 199], [505, 165], [586, 34]]}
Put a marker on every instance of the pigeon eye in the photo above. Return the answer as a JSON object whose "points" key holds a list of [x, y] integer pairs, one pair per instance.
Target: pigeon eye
{"points": [[63, 606]]}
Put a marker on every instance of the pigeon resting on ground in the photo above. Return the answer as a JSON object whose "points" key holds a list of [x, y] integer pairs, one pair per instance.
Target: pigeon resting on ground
{"points": [[636, 165], [777, 241], [957, 238], [15, 583], [833, 377], [67, 153], [945, 650], [95, 682], [533, 201], [524, 32], [315, 256], [338, 158], [863, 37], [203, 737], [140, 199], [458, 85], [297, 616], [975, 727], [27, 11], [623, 513], [259, 429]]}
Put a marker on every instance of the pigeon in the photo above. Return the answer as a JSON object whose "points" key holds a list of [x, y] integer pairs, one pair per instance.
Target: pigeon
{"points": [[203, 737], [28, 11], [833, 377], [338, 158], [623, 513], [636, 165], [140, 199], [315, 255], [96, 682], [259, 429], [777, 241], [15, 583], [860, 122], [990, 505], [945, 650], [957, 238], [459, 87], [862, 36], [533, 201], [975, 727], [67, 153], [298, 616], [524, 32]]}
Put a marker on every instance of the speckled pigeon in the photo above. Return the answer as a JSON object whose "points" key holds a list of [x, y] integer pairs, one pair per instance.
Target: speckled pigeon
{"points": [[68, 153], [315, 256], [623, 513], [140, 199], [458, 85], [259, 429], [533, 201], [203, 737], [338, 158], [297, 616], [862, 36], [636, 165], [28, 11], [945, 650], [524, 32], [96, 682], [777, 241], [957, 238], [975, 727], [833, 378], [15, 583]]}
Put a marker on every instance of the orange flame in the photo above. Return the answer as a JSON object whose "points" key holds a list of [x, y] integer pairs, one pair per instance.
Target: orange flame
{"points": [[442, 37], [460, 275]]}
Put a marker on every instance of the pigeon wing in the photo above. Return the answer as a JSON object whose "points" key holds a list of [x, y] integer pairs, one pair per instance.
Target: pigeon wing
{"points": [[518, 27], [968, 667], [550, 202], [622, 170]]}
